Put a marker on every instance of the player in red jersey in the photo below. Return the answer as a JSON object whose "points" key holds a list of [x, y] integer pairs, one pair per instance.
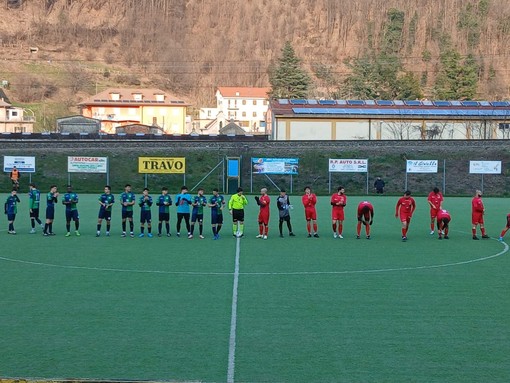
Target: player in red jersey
{"points": [[404, 210], [507, 227], [435, 200], [443, 222], [263, 201], [338, 202], [309, 200], [365, 217], [477, 212]]}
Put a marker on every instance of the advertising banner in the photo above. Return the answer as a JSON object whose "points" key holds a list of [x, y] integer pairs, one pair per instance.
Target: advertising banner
{"points": [[275, 165], [421, 166], [23, 164], [162, 165], [485, 167], [87, 164], [348, 165]]}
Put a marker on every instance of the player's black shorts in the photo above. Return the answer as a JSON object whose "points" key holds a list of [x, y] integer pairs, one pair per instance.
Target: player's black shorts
{"points": [[50, 212], [164, 217], [238, 215], [72, 215], [34, 213], [11, 217], [285, 218], [127, 214], [145, 216], [105, 214], [197, 217], [216, 218]]}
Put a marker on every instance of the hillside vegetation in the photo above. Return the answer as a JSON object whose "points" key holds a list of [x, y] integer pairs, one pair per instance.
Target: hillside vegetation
{"points": [[190, 47]]}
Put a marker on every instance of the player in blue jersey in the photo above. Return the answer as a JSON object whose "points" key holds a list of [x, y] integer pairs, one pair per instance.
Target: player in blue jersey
{"points": [[216, 203], [34, 202], [197, 214], [70, 201], [182, 201], [106, 201], [164, 202], [127, 200], [11, 209], [145, 203], [51, 200]]}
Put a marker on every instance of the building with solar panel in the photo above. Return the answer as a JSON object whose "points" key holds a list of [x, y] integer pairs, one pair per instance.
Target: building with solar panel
{"points": [[387, 120]]}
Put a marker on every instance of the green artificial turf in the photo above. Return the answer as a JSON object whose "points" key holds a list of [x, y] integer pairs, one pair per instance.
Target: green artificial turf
{"points": [[309, 310]]}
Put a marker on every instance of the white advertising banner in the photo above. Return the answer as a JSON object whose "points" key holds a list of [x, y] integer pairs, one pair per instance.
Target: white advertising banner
{"points": [[485, 167], [421, 166], [23, 164], [348, 165], [87, 164]]}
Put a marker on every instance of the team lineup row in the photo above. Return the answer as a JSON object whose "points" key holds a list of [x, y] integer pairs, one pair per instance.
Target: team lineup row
{"points": [[404, 210]]}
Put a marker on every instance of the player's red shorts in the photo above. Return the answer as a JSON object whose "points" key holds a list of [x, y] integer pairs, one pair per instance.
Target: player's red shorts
{"points": [[366, 216], [337, 214], [405, 217], [477, 218], [310, 214], [433, 213], [264, 218]]}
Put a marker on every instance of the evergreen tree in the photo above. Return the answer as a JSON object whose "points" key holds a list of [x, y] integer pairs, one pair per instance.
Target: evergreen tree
{"points": [[288, 79], [457, 80]]}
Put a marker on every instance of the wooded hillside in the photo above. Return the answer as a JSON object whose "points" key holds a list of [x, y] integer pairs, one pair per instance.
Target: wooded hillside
{"points": [[190, 47]]}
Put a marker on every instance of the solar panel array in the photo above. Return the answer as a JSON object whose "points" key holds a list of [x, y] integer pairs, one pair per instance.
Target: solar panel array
{"points": [[406, 112], [389, 103]]}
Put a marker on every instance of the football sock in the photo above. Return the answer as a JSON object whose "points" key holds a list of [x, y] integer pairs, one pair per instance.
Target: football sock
{"points": [[234, 228], [334, 227], [38, 221], [167, 227], [367, 228], [11, 227], [432, 226], [68, 227], [308, 226], [218, 228], [192, 229], [280, 227], [340, 228], [32, 222], [77, 225], [131, 225], [214, 231], [149, 229], [45, 228], [241, 228], [358, 229], [124, 226], [107, 225], [483, 230], [142, 229], [261, 229], [50, 227], [314, 227], [289, 226], [98, 227], [200, 228], [160, 225], [266, 230], [473, 231]]}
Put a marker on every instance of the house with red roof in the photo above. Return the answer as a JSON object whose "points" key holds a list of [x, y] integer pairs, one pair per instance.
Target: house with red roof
{"points": [[245, 106], [118, 107]]}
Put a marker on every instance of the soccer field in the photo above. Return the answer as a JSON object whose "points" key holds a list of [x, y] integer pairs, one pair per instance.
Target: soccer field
{"points": [[250, 310]]}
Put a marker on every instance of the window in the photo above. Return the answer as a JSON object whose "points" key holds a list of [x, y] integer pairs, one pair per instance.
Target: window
{"points": [[244, 102], [14, 113], [254, 102], [265, 102], [244, 114], [254, 114]]}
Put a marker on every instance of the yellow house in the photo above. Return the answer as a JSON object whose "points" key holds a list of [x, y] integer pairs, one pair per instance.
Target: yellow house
{"points": [[123, 106]]}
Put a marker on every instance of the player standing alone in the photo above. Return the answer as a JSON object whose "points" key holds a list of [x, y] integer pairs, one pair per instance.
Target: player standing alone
{"points": [[365, 217], [106, 201], [127, 200], [216, 203], [145, 203], [51, 200], [164, 202], [435, 200], [11, 209], [263, 219], [70, 201], [283, 204], [338, 202], [197, 213], [404, 210], [477, 212], [309, 201], [182, 201], [34, 201]]}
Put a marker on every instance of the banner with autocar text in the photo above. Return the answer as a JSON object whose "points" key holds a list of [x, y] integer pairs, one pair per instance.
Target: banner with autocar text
{"points": [[348, 165], [168, 165], [275, 165], [87, 164], [421, 166], [485, 167], [23, 164]]}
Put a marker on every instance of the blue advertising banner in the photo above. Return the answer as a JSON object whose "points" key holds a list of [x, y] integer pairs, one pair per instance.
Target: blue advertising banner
{"points": [[275, 165]]}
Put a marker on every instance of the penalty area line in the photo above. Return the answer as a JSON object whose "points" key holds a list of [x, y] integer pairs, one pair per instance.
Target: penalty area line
{"points": [[233, 318]]}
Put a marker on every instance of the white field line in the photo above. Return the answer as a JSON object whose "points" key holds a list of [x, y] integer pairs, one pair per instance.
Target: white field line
{"points": [[233, 319]]}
